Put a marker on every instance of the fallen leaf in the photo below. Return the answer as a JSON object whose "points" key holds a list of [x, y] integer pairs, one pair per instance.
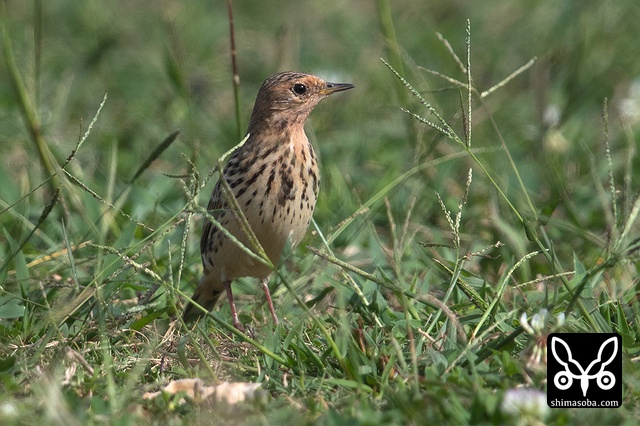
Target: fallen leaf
{"points": [[230, 393]]}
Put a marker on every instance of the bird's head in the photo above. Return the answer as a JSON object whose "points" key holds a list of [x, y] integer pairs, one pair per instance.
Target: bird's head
{"points": [[290, 96]]}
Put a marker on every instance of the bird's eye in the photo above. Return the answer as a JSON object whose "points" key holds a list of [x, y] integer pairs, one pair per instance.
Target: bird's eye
{"points": [[299, 89]]}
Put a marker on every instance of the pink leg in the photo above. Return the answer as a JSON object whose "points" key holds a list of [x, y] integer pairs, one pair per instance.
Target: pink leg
{"points": [[265, 287], [234, 312]]}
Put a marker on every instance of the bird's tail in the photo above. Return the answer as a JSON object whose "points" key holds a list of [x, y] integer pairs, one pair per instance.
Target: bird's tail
{"points": [[206, 295]]}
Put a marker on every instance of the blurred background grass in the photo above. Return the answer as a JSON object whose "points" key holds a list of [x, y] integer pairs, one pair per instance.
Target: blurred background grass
{"points": [[165, 65]]}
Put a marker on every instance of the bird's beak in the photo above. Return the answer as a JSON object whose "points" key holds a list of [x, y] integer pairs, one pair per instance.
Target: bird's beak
{"points": [[335, 87]]}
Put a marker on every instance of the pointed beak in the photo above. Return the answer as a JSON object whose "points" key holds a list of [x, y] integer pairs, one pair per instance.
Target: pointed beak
{"points": [[335, 87]]}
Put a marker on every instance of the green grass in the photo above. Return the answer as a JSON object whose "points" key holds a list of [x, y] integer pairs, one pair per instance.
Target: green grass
{"points": [[437, 227]]}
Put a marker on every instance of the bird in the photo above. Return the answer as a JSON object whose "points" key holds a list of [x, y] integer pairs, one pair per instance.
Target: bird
{"points": [[274, 178]]}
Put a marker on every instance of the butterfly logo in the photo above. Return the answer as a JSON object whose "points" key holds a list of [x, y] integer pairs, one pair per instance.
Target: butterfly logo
{"points": [[564, 379]]}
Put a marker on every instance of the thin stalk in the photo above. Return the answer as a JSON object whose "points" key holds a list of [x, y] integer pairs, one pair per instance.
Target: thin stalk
{"points": [[234, 70], [25, 103], [389, 33], [37, 47]]}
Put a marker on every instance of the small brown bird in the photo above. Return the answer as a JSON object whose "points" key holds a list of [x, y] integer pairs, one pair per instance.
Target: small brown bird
{"points": [[275, 179]]}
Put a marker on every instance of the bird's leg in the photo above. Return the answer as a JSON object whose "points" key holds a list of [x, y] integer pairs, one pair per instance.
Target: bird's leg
{"points": [[265, 287], [234, 312]]}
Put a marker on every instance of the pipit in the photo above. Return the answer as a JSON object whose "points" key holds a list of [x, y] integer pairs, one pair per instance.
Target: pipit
{"points": [[274, 178]]}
